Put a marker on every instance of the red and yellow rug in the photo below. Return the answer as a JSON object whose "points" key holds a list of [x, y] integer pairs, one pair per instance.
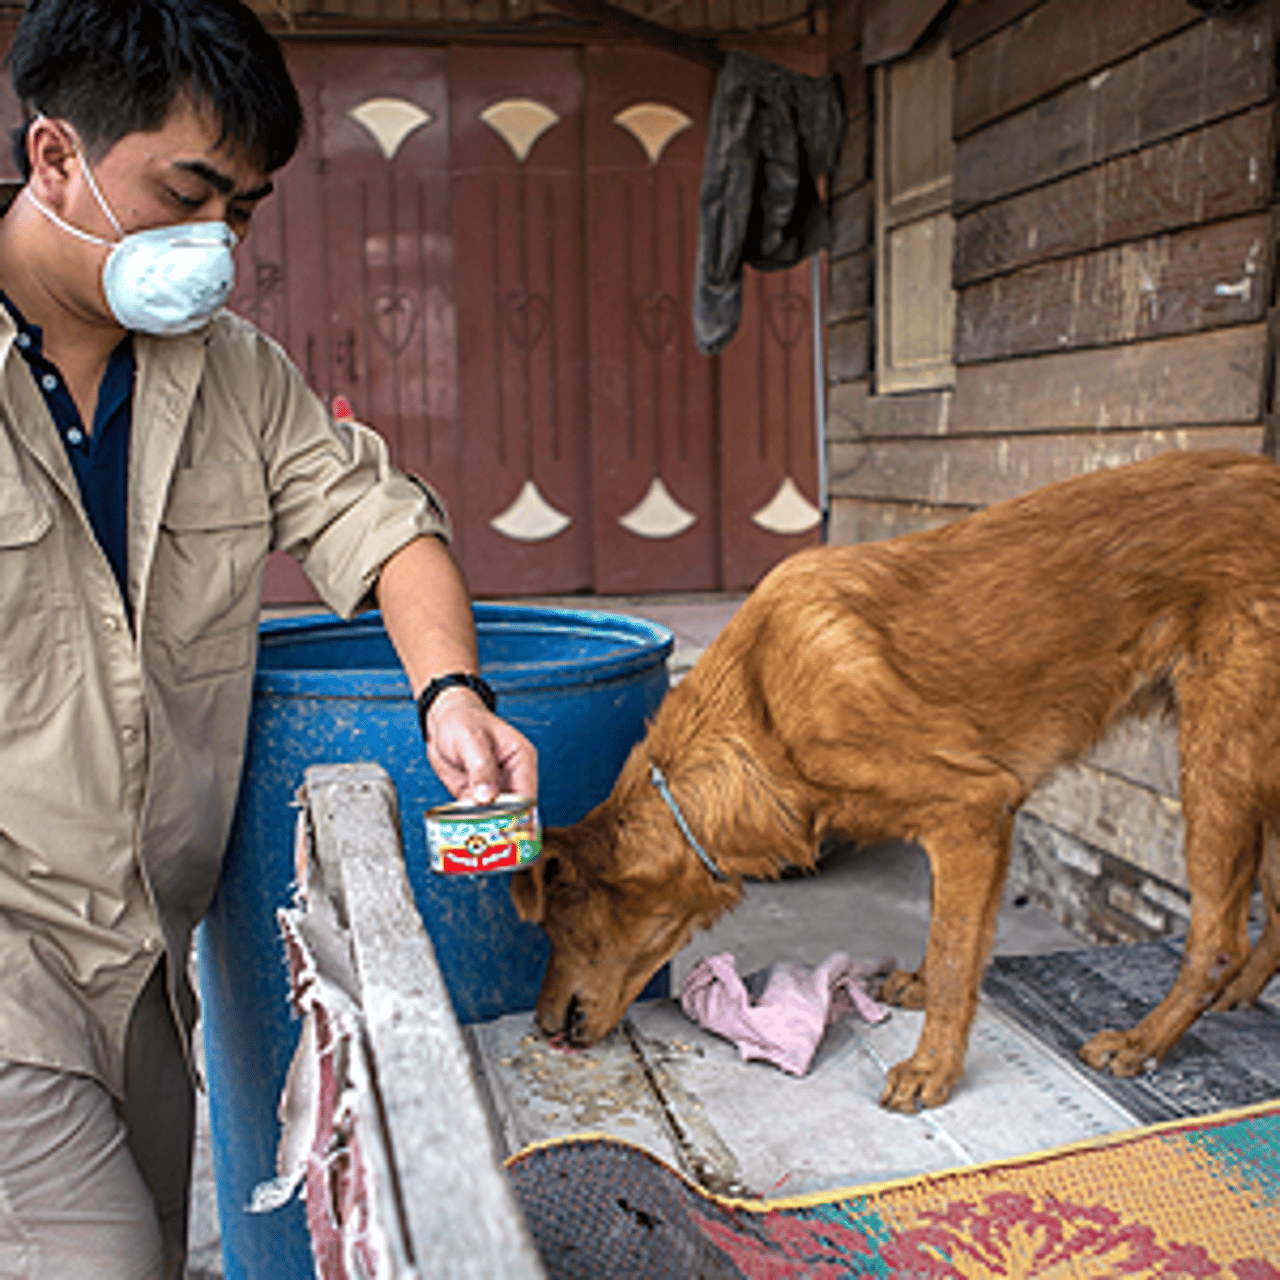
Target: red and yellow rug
{"points": [[1190, 1198]]}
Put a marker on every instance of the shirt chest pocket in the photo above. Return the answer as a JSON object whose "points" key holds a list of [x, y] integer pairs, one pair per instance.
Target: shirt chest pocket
{"points": [[214, 538], [40, 660]]}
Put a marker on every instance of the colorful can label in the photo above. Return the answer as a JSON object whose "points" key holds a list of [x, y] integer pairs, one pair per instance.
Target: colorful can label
{"points": [[465, 839]]}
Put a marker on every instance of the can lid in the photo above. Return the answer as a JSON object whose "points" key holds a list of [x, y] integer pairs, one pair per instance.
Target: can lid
{"points": [[503, 804]]}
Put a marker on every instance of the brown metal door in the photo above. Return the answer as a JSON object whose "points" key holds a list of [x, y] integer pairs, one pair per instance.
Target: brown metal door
{"points": [[426, 261], [769, 460], [652, 410], [350, 265], [517, 190]]}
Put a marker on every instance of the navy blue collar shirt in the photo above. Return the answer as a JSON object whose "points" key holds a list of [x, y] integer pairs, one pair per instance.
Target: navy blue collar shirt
{"points": [[99, 458]]}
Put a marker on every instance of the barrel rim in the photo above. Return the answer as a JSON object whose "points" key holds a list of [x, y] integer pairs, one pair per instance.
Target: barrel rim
{"points": [[643, 643]]}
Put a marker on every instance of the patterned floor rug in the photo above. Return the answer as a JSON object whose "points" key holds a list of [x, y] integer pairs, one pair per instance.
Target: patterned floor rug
{"points": [[1189, 1198]]}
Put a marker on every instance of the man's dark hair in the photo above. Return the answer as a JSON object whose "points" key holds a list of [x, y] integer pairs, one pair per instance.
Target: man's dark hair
{"points": [[113, 67]]}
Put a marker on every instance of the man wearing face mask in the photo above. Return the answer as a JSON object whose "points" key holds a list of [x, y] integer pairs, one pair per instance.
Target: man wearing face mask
{"points": [[153, 450]]}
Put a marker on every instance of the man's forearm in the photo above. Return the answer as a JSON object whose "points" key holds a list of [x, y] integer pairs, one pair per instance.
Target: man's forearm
{"points": [[427, 612]]}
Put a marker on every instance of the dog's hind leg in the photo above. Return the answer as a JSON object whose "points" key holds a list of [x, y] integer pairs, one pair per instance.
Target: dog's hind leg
{"points": [[1264, 959], [1222, 803], [968, 873]]}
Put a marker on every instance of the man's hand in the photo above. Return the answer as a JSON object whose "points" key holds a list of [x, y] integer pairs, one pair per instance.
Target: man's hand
{"points": [[476, 754]]}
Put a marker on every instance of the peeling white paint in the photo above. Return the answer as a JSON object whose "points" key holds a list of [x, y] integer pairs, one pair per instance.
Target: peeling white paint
{"points": [[1242, 288]]}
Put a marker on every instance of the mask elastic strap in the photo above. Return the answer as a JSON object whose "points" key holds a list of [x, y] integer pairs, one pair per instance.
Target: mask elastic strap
{"points": [[93, 186], [62, 222]]}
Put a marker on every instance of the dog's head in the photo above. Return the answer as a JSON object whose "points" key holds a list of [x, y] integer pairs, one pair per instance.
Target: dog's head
{"points": [[618, 895]]}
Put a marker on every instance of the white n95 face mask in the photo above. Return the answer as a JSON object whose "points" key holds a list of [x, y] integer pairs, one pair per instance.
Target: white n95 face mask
{"points": [[163, 281]]}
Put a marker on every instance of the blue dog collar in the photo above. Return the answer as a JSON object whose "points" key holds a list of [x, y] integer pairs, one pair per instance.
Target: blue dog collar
{"points": [[660, 782]]}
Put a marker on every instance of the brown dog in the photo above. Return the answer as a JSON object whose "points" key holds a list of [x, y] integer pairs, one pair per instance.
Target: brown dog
{"points": [[921, 688]]}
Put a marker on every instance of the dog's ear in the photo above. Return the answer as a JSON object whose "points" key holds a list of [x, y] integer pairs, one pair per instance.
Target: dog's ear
{"points": [[529, 887], [527, 892]]}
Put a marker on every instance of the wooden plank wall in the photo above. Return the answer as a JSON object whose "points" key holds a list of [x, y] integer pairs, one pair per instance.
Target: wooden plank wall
{"points": [[1113, 260]]}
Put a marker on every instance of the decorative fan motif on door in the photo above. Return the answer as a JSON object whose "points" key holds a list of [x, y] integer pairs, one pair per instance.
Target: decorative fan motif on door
{"points": [[390, 121], [525, 315], [519, 122], [657, 514], [653, 125], [788, 511]]}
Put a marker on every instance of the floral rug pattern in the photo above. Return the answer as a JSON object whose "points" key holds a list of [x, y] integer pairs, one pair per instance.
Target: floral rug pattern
{"points": [[1193, 1198]]}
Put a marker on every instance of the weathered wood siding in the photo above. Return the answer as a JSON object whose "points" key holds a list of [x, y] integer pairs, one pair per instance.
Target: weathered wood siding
{"points": [[1115, 293], [1113, 260]]}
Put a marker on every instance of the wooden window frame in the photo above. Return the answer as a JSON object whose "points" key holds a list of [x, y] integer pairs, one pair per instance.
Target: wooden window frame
{"points": [[925, 206]]}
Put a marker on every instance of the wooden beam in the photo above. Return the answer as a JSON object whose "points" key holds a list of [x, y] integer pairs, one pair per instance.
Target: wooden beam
{"points": [[1201, 278], [696, 49], [976, 471], [1215, 377]]}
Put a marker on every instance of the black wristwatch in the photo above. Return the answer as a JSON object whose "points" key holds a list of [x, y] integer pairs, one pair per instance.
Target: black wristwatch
{"points": [[441, 683]]}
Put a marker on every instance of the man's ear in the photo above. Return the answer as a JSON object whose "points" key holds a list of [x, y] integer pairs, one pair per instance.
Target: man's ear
{"points": [[51, 155]]}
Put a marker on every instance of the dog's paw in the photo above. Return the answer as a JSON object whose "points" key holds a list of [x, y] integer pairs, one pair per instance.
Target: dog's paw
{"points": [[1119, 1052], [904, 989], [910, 1086]]}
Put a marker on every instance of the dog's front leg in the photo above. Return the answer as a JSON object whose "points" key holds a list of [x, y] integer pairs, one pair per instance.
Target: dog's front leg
{"points": [[968, 872]]}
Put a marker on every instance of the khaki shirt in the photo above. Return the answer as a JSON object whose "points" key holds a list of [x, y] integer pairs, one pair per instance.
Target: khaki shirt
{"points": [[120, 748]]}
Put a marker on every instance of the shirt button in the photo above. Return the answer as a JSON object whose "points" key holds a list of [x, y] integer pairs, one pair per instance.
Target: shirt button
{"points": [[49, 382], [111, 623], [149, 945], [75, 435], [129, 733]]}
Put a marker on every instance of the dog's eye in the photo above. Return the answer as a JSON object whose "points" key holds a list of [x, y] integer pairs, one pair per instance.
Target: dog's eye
{"points": [[550, 870]]}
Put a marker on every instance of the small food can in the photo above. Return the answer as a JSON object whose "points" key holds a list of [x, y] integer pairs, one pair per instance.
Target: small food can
{"points": [[465, 839]]}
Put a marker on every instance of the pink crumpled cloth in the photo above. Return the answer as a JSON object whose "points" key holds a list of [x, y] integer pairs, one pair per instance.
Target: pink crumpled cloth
{"points": [[795, 1003]]}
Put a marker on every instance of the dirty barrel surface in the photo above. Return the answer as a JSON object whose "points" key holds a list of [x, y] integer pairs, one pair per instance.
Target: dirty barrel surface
{"points": [[580, 685]]}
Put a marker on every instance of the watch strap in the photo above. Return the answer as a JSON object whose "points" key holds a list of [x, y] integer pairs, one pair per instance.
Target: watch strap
{"points": [[437, 686]]}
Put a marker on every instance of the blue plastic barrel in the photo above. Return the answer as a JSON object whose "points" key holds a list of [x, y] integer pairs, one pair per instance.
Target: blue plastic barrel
{"points": [[579, 685]]}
